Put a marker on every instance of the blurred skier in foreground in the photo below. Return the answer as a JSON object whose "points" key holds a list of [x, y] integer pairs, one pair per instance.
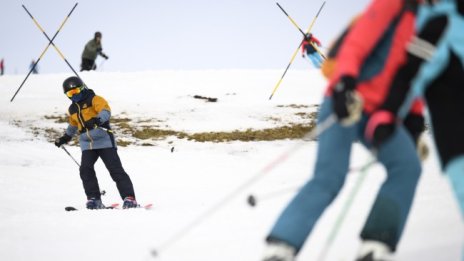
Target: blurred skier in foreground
{"points": [[366, 61], [435, 71]]}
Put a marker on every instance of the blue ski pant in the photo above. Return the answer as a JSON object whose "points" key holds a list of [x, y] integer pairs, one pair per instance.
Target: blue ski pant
{"points": [[316, 59], [389, 213]]}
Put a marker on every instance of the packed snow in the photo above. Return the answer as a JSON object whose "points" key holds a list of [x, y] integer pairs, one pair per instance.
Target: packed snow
{"points": [[199, 189]]}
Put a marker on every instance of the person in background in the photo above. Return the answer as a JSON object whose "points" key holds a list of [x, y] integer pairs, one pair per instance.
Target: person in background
{"points": [[35, 69], [89, 117], [366, 62], [2, 67], [309, 51], [92, 49]]}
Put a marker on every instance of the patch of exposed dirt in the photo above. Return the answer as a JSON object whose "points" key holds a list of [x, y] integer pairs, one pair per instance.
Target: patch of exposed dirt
{"points": [[146, 131]]}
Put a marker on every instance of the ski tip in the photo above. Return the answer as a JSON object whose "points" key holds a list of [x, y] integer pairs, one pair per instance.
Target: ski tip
{"points": [[112, 206], [148, 206]]}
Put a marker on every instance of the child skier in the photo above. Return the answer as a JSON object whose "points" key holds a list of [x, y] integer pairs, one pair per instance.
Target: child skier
{"points": [[308, 50], [89, 115]]}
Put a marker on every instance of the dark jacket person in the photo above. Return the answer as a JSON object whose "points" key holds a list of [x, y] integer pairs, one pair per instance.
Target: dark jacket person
{"points": [[91, 50]]}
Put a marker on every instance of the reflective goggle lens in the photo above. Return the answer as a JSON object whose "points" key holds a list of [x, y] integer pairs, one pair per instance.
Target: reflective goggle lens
{"points": [[71, 92]]}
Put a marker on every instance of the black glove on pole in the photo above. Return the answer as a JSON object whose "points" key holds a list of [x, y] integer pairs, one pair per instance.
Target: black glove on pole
{"points": [[346, 103], [62, 140]]}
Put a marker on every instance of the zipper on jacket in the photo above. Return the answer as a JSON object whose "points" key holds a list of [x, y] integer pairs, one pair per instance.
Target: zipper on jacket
{"points": [[81, 120]]}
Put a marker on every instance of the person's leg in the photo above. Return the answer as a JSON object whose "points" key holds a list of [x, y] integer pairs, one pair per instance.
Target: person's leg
{"points": [[83, 65], [314, 60], [86, 64], [455, 172], [87, 173], [112, 162], [444, 100], [319, 58], [333, 153], [389, 213]]}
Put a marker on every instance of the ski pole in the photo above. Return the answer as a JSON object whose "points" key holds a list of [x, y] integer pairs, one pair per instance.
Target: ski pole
{"points": [[323, 126], [252, 200], [344, 211], [45, 50], [296, 51], [103, 192], [67, 152], [105, 129], [100, 67], [301, 31]]}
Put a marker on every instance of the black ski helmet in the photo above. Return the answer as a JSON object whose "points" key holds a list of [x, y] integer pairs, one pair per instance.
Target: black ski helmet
{"points": [[72, 83], [97, 34]]}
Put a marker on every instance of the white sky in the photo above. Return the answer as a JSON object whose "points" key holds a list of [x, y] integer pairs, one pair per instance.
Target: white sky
{"points": [[168, 34]]}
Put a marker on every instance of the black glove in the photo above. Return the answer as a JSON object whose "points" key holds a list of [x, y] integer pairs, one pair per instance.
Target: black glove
{"points": [[62, 140], [415, 125], [104, 56], [380, 126], [99, 49], [92, 123], [346, 103]]}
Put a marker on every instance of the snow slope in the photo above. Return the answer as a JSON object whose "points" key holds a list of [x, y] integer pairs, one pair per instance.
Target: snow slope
{"points": [[194, 216]]}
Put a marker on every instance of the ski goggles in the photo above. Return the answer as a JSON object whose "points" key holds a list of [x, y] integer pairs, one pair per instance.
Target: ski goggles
{"points": [[74, 91]]}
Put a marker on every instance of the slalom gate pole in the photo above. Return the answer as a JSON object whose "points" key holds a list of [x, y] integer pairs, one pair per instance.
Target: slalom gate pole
{"points": [[67, 152], [252, 200], [321, 127], [51, 40], [46, 48], [318, 50], [345, 209], [301, 31], [291, 19], [297, 49]]}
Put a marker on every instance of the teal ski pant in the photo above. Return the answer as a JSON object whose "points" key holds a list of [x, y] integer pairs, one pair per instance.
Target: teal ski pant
{"points": [[389, 213], [316, 59]]}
